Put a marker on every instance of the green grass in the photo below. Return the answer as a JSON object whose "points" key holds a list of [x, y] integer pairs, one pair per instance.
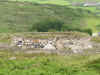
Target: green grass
{"points": [[59, 2], [92, 23], [7, 37], [31, 64], [20, 16], [53, 0]]}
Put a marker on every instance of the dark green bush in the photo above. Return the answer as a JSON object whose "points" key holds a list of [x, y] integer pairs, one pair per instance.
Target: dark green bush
{"points": [[89, 31], [47, 25]]}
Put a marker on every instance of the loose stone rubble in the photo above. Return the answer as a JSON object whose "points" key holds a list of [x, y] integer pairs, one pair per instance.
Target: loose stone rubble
{"points": [[49, 46], [75, 45]]}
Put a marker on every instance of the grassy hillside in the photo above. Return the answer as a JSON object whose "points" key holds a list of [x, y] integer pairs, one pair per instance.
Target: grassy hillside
{"points": [[21, 16], [58, 2], [42, 64], [65, 2]]}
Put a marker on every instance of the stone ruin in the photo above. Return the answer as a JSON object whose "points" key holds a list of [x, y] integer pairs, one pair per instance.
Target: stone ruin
{"points": [[75, 45], [33, 43]]}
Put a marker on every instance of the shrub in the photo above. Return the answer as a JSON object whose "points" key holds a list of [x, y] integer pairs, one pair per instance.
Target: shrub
{"points": [[89, 31], [48, 24]]}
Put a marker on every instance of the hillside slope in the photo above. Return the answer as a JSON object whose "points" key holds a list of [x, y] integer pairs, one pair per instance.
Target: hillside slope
{"points": [[20, 16], [58, 2]]}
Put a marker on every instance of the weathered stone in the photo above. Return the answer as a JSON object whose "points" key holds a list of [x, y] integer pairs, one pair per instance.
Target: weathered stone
{"points": [[59, 45], [49, 46], [95, 34], [12, 58], [76, 45]]}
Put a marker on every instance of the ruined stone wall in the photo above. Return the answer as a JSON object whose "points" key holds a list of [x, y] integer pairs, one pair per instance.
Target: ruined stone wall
{"points": [[33, 43], [56, 43]]}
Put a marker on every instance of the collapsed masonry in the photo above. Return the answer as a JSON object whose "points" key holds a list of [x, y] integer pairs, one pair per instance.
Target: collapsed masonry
{"points": [[76, 45], [33, 43]]}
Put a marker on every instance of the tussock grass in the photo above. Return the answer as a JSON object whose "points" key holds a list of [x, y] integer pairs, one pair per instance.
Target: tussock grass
{"points": [[49, 64]]}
